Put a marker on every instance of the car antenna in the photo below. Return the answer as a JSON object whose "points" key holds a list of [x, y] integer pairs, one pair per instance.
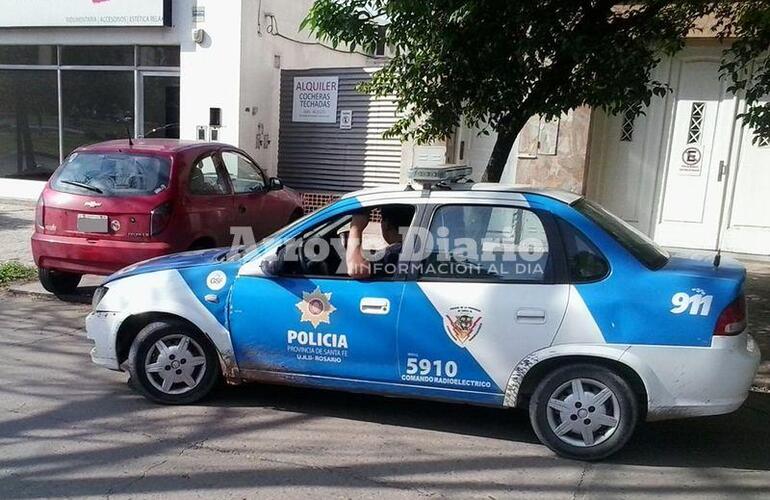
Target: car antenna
{"points": [[126, 119]]}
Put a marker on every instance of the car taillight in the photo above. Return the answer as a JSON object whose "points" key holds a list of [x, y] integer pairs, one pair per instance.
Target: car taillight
{"points": [[40, 213], [732, 321], [159, 218]]}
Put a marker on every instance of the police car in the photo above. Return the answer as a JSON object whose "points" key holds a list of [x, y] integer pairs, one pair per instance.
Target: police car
{"points": [[498, 295]]}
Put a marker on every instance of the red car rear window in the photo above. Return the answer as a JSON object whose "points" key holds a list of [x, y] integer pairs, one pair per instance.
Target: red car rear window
{"points": [[113, 174]]}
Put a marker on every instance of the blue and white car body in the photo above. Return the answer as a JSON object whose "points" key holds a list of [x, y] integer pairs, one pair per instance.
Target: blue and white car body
{"points": [[655, 327]]}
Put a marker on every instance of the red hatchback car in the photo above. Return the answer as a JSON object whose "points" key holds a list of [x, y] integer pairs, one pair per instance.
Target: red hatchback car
{"points": [[112, 204]]}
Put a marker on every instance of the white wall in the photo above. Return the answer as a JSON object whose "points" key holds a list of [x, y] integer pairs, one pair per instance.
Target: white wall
{"points": [[210, 71]]}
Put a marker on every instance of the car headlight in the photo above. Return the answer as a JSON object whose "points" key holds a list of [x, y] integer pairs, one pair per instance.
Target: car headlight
{"points": [[99, 294]]}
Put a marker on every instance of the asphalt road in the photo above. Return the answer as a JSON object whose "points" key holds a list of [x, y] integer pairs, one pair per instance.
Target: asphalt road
{"points": [[70, 429]]}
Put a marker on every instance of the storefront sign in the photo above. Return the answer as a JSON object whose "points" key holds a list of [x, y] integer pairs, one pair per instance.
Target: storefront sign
{"points": [[315, 99], [99, 13]]}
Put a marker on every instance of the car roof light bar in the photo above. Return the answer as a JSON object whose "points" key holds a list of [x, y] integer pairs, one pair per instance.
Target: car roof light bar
{"points": [[430, 176]]}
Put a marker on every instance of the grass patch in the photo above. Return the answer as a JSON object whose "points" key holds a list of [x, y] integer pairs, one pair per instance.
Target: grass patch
{"points": [[15, 271]]}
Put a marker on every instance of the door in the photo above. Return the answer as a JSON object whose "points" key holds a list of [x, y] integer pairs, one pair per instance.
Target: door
{"points": [[748, 221], [160, 109], [310, 319], [699, 149], [482, 300], [253, 207], [209, 203]]}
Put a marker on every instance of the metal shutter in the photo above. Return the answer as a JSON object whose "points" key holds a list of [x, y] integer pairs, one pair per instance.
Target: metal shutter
{"points": [[323, 157]]}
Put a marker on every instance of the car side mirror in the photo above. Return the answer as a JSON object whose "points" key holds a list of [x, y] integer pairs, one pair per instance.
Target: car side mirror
{"points": [[268, 265], [272, 266], [275, 184]]}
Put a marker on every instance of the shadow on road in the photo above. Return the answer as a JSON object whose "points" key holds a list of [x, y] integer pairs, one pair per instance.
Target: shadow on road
{"points": [[739, 440]]}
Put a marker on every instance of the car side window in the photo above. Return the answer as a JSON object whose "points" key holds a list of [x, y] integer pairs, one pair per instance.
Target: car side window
{"points": [[323, 249], [585, 263], [487, 243], [206, 179], [245, 176]]}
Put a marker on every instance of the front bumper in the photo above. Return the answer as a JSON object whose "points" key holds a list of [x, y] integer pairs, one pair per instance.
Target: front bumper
{"points": [[89, 256], [696, 381], [102, 329]]}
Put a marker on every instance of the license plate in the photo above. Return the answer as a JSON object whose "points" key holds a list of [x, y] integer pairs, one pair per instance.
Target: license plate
{"points": [[88, 223]]}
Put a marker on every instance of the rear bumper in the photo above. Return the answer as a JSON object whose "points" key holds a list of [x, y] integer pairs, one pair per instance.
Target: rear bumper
{"points": [[696, 381], [80, 255]]}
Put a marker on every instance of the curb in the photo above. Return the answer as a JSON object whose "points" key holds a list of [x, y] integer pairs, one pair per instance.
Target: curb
{"points": [[33, 289]]}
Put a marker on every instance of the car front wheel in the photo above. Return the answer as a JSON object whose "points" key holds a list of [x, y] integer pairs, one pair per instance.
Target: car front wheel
{"points": [[171, 362], [59, 282], [584, 411]]}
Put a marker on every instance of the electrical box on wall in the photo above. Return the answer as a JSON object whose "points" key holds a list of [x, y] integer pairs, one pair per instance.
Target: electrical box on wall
{"points": [[215, 117]]}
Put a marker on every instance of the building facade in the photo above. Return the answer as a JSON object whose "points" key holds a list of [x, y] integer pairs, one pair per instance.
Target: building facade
{"points": [[81, 71], [687, 172]]}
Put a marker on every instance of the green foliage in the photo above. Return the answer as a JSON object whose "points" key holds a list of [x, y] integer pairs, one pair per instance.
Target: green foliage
{"points": [[499, 62], [14, 271], [746, 62]]}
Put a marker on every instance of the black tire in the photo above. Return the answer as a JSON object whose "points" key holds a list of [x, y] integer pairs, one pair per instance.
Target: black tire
{"points": [[603, 440], [59, 282], [147, 384]]}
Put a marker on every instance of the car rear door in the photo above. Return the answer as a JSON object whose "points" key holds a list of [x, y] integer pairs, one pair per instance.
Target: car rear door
{"points": [[486, 296], [209, 201], [252, 200]]}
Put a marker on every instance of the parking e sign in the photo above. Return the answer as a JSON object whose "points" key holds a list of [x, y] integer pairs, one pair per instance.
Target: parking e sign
{"points": [[691, 158]]}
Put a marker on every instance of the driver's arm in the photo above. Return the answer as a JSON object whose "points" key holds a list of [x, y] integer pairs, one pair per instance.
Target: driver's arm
{"points": [[357, 266]]}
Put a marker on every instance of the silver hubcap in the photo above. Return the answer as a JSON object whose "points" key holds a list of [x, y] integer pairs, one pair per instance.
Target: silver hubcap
{"points": [[583, 412], [175, 364]]}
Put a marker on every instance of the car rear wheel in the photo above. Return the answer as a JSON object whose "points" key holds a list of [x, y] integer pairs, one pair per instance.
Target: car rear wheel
{"points": [[171, 362], [584, 411], [59, 282]]}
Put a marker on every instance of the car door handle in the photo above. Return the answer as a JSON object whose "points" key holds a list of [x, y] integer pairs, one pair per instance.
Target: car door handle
{"points": [[374, 305], [531, 316], [242, 209]]}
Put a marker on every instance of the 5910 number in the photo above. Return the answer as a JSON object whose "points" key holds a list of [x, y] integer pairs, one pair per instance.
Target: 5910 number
{"points": [[437, 368]]}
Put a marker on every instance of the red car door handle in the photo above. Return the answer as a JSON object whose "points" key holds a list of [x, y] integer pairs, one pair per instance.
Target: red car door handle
{"points": [[242, 209]]}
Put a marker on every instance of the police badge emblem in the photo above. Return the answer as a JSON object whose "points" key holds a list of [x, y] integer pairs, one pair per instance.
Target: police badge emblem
{"points": [[462, 324], [316, 307]]}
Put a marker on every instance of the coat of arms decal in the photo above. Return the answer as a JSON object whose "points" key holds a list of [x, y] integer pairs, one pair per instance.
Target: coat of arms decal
{"points": [[462, 324]]}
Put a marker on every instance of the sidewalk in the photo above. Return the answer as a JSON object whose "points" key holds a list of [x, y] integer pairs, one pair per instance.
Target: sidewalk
{"points": [[17, 219], [16, 222]]}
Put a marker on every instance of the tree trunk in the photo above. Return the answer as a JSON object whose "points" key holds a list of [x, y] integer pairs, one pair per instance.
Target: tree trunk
{"points": [[507, 131]]}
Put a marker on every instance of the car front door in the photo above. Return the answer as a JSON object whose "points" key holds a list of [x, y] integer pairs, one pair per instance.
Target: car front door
{"points": [[484, 298], [314, 321]]}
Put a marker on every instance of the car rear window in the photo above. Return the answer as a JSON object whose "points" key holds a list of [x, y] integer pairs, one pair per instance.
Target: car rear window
{"points": [[113, 174], [637, 243]]}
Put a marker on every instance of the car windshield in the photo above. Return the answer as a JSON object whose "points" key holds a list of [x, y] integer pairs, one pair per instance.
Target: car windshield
{"points": [[643, 248], [113, 174]]}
